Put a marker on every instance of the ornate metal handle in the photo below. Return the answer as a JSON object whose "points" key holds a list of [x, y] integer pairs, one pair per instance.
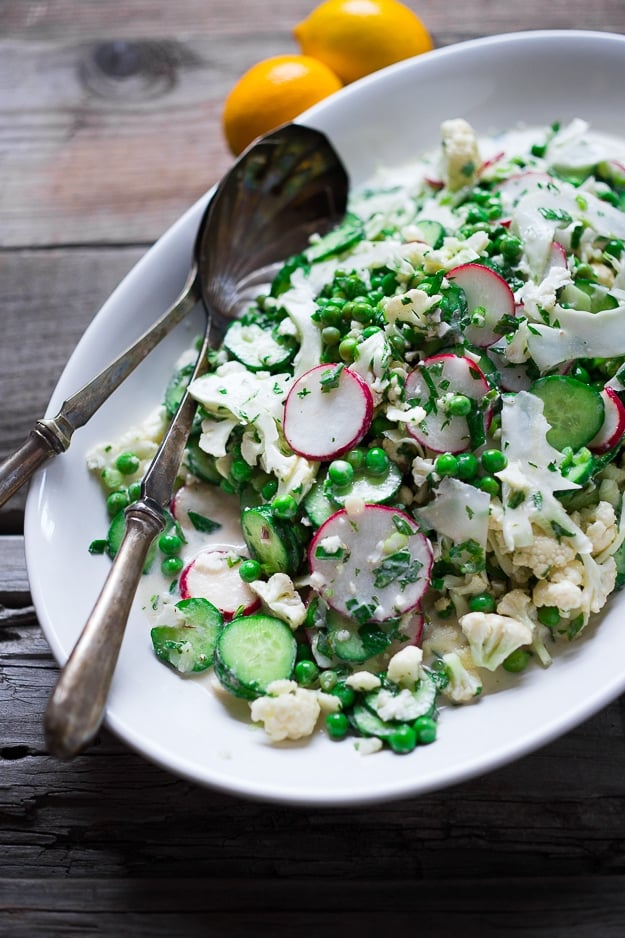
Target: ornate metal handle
{"points": [[76, 707]]}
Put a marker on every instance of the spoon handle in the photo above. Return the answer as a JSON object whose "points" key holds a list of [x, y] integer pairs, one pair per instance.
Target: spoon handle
{"points": [[76, 706], [50, 437]]}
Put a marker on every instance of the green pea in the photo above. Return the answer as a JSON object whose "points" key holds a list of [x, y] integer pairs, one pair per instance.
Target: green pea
{"points": [[362, 311], [170, 544], [134, 491], [337, 725], [426, 729], [127, 463], [306, 673], [171, 566], [356, 458], [284, 506], [369, 331], [347, 349], [517, 661], [467, 466], [489, 484], [331, 315], [328, 680], [376, 461], [345, 693], [331, 335], [549, 616], [249, 570], [269, 489], [510, 247], [403, 739], [482, 602], [458, 405], [116, 502], [341, 472], [240, 470], [580, 373], [493, 460], [446, 464]]}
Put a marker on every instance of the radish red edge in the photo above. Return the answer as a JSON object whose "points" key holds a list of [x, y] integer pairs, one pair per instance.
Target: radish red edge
{"points": [[348, 578], [322, 422], [217, 586], [484, 288], [613, 429], [453, 434]]}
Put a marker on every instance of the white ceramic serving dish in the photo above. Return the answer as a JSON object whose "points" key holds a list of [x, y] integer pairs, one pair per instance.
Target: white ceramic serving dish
{"points": [[386, 119]]}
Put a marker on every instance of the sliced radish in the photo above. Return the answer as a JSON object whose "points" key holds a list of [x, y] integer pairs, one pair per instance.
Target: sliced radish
{"points": [[431, 385], [485, 290], [557, 257], [491, 161], [328, 411], [214, 575], [372, 566], [191, 503], [613, 427]]}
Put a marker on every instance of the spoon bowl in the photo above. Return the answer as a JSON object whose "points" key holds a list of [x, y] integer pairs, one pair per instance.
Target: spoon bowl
{"points": [[282, 188]]}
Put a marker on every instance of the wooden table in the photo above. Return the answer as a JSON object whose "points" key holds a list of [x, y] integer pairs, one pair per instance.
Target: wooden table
{"points": [[109, 130]]}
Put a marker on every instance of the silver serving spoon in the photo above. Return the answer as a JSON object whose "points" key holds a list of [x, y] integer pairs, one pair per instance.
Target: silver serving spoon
{"points": [[288, 185], [261, 221]]}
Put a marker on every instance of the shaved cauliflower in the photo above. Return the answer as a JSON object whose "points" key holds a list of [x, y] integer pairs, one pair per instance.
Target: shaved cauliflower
{"points": [[492, 637]]}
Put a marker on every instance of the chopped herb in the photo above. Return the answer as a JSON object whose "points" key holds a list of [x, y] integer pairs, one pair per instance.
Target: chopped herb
{"points": [[202, 524], [331, 377]]}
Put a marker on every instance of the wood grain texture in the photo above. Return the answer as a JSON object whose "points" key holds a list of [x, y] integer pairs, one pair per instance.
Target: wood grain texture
{"points": [[109, 129]]}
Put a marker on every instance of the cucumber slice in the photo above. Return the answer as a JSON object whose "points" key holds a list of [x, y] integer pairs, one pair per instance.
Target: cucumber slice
{"points": [[346, 235], [272, 542], [201, 464], [348, 642], [176, 388], [260, 349], [417, 703], [367, 723], [252, 652], [115, 536], [373, 490], [574, 410], [317, 505], [432, 232], [588, 296], [189, 647]]}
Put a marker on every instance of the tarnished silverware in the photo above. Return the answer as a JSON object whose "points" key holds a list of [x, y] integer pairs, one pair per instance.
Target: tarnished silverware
{"points": [[282, 189], [310, 189]]}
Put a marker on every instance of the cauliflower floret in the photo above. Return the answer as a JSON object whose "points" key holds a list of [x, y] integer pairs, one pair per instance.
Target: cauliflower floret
{"points": [[543, 554], [287, 711], [599, 525], [404, 668], [566, 596], [464, 684], [492, 637], [460, 153], [363, 681], [518, 605], [281, 598]]}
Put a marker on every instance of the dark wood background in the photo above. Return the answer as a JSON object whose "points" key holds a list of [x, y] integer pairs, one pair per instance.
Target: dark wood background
{"points": [[109, 130]]}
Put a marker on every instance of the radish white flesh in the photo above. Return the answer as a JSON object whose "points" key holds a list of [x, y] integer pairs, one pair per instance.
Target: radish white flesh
{"points": [[371, 566], [431, 385], [613, 427], [327, 412], [192, 501], [214, 575], [486, 291], [557, 257]]}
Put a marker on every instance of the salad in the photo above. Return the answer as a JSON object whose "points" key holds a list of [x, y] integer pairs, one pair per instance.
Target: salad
{"points": [[405, 477]]}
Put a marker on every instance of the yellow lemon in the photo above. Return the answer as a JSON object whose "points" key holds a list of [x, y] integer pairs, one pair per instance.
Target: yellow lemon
{"points": [[274, 92], [357, 37]]}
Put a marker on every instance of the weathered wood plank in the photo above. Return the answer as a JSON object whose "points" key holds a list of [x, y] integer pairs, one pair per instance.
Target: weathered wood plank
{"points": [[112, 133], [549, 908]]}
